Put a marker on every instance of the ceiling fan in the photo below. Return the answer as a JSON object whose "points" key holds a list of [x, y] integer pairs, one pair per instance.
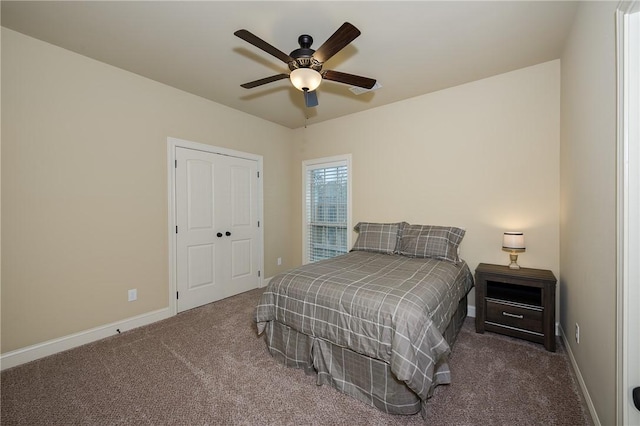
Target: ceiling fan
{"points": [[306, 64]]}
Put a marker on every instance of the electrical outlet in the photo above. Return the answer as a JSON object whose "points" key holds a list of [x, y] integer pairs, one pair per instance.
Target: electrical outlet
{"points": [[133, 294], [279, 261], [577, 333]]}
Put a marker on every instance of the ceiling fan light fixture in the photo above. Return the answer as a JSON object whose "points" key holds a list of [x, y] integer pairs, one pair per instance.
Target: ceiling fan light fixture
{"points": [[305, 78]]}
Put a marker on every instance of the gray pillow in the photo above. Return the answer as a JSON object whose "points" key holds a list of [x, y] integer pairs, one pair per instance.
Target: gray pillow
{"points": [[438, 242], [378, 237]]}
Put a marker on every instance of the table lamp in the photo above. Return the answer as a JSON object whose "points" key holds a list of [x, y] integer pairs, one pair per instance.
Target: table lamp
{"points": [[513, 242]]}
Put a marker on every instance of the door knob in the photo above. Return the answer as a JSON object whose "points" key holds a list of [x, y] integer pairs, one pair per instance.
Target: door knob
{"points": [[219, 234], [228, 234], [636, 397]]}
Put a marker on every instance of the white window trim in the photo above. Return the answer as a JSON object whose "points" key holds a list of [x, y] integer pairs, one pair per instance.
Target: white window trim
{"points": [[325, 162]]}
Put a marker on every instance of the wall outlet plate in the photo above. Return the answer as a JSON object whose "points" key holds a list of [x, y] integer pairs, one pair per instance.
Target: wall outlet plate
{"points": [[133, 294]]}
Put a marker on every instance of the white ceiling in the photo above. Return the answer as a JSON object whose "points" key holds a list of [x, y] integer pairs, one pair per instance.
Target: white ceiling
{"points": [[411, 48]]}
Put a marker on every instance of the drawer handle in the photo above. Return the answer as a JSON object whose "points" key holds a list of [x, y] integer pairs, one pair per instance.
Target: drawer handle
{"points": [[508, 314]]}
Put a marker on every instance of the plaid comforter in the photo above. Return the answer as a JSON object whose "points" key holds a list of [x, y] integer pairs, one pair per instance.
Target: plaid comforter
{"points": [[388, 307]]}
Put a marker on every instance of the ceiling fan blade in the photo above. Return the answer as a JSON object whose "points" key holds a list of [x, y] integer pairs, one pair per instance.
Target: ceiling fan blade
{"points": [[343, 36], [353, 80], [261, 44], [266, 80], [310, 99]]}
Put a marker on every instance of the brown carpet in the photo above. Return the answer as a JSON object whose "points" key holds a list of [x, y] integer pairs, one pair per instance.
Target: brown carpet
{"points": [[207, 366]]}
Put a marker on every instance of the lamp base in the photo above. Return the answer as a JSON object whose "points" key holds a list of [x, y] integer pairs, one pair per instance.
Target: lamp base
{"points": [[514, 261]]}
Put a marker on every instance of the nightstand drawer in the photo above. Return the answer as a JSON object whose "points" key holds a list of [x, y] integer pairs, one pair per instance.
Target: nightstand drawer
{"points": [[514, 315]]}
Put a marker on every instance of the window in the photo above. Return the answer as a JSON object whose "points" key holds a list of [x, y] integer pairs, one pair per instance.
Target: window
{"points": [[327, 208]]}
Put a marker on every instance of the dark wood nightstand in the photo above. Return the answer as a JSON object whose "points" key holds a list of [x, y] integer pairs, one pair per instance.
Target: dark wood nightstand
{"points": [[517, 302]]}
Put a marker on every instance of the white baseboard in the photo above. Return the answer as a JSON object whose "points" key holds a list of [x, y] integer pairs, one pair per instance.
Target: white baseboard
{"points": [[40, 350], [471, 311], [583, 386]]}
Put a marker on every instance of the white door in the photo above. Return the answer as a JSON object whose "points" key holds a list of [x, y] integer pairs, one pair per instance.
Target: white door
{"points": [[217, 227], [241, 235], [633, 212], [628, 27]]}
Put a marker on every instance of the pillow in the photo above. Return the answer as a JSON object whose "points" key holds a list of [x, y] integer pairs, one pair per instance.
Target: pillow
{"points": [[438, 242], [378, 237]]}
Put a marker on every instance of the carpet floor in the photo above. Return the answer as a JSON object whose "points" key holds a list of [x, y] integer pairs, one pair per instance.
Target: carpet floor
{"points": [[208, 366]]}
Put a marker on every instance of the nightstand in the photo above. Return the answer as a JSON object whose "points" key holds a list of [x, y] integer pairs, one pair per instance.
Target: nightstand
{"points": [[517, 302]]}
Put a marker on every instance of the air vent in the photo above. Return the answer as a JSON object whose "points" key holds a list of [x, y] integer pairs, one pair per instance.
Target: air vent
{"points": [[361, 90]]}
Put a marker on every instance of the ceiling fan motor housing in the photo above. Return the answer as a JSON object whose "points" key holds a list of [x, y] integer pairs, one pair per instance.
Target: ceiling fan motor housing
{"points": [[304, 55]]}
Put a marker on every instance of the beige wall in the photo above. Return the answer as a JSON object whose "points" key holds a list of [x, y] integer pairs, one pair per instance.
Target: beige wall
{"points": [[84, 187], [588, 208], [484, 156]]}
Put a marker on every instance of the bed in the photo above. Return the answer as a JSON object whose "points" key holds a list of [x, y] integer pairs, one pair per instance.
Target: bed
{"points": [[378, 322]]}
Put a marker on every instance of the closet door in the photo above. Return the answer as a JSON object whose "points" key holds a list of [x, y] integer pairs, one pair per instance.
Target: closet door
{"points": [[237, 198], [217, 235]]}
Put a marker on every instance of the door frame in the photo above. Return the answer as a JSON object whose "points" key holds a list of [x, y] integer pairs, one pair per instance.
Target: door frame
{"points": [[172, 144], [628, 199]]}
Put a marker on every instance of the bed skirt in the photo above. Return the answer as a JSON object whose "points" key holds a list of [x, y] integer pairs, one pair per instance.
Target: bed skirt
{"points": [[367, 379]]}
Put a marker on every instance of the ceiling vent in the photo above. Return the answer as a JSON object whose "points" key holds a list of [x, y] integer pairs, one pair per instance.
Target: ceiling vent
{"points": [[360, 90]]}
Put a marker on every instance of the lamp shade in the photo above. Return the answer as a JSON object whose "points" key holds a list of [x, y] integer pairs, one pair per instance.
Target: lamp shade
{"points": [[305, 78], [513, 241]]}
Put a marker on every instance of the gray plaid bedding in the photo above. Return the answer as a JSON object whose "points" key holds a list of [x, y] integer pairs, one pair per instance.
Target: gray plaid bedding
{"points": [[388, 307]]}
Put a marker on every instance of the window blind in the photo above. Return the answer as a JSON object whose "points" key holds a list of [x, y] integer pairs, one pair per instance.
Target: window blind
{"points": [[326, 190]]}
